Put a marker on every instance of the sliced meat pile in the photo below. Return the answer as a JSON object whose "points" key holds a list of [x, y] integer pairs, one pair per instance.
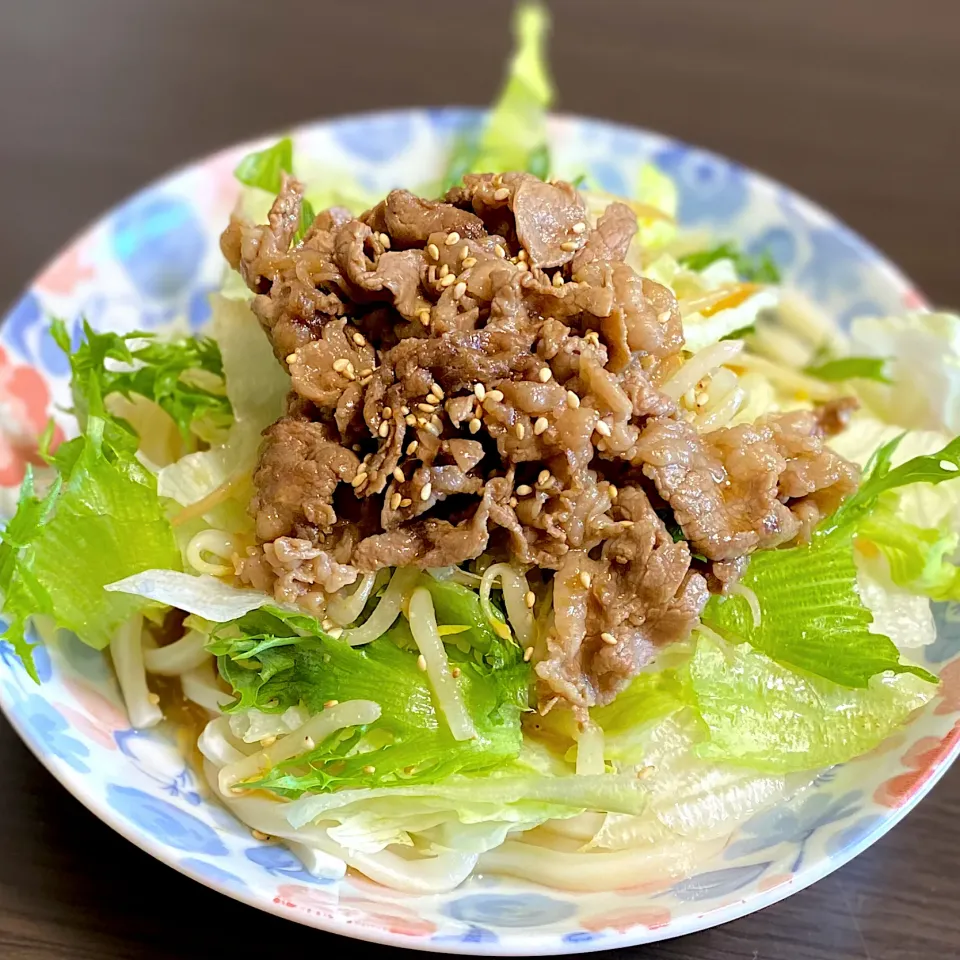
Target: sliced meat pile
{"points": [[479, 374]]}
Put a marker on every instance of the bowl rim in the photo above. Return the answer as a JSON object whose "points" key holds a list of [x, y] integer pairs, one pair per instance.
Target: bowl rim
{"points": [[512, 941]]}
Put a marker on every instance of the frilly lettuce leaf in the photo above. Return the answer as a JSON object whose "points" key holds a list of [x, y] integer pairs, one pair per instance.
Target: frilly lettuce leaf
{"points": [[183, 376], [850, 368], [100, 521], [775, 719], [754, 269], [515, 134], [275, 660], [264, 169]]}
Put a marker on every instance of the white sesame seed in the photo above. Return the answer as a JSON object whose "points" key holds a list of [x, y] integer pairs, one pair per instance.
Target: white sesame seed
{"points": [[259, 835], [421, 662], [690, 398], [309, 743], [541, 425], [522, 255], [366, 372], [395, 501], [452, 238], [585, 579], [530, 599], [568, 245], [398, 475], [524, 489], [437, 391], [663, 317], [154, 698], [459, 290], [384, 428], [522, 266], [545, 374], [702, 399], [327, 624], [444, 270], [447, 280], [602, 428], [579, 227], [404, 410], [520, 430], [499, 251], [464, 252], [433, 250], [434, 429], [425, 317], [369, 768], [469, 262], [479, 391], [495, 395], [387, 413], [455, 672], [412, 447], [427, 407], [528, 654], [340, 365], [425, 491], [613, 492], [405, 502], [291, 358], [572, 400], [268, 741], [544, 477], [330, 703], [513, 501], [336, 633], [475, 425], [384, 241], [558, 280], [359, 479], [501, 194], [421, 421], [608, 638], [410, 420], [359, 340]]}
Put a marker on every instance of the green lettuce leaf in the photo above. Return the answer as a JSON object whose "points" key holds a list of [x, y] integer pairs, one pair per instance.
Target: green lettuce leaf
{"points": [[812, 617], [99, 522], [753, 269], [850, 368], [183, 376], [779, 720], [275, 660], [264, 169], [515, 134], [917, 558]]}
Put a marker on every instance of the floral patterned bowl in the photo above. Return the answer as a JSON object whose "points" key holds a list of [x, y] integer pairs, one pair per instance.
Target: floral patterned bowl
{"points": [[153, 260]]}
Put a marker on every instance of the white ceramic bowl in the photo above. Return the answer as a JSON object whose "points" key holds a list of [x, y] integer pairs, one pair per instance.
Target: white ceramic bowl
{"points": [[154, 259]]}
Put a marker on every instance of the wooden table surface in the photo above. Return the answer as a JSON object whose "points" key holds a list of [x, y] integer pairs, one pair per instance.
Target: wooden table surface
{"points": [[853, 102]]}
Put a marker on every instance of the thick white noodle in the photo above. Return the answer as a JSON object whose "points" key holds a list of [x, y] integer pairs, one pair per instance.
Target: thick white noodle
{"points": [[200, 685], [515, 587], [187, 653], [423, 626], [220, 544], [218, 744], [590, 751], [583, 827], [436, 874], [127, 651], [719, 414], [387, 610], [344, 608], [349, 714], [700, 365], [252, 726], [599, 872]]}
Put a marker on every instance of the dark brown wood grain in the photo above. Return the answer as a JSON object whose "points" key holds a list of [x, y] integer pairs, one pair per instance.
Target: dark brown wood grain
{"points": [[854, 102]]}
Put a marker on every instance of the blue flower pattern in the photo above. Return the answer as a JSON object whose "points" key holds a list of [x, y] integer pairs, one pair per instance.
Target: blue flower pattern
{"points": [[502, 910], [164, 821], [161, 246], [785, 825], [280, 862]]}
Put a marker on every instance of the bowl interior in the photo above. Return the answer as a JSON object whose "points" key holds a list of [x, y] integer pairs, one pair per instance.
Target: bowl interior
{"points": [[153, 260]]}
